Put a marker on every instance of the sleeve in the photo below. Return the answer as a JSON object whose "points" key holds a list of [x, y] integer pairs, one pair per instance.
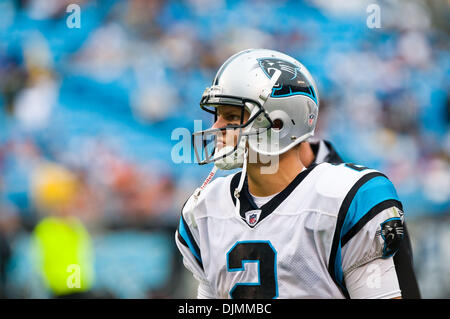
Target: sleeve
{"points": [[205, 291], [379, 238], [374, 280], [369, 227], [189, 249], [367, 258]]}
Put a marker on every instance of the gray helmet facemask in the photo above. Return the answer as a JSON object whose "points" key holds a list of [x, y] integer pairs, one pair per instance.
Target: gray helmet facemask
{"points": [[259, 122]]}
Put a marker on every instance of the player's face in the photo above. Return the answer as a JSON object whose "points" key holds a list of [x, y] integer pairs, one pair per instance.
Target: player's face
{"points": [[229, 116]]}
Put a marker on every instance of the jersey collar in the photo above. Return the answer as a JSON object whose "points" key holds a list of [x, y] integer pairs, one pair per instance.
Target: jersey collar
{"points": [[246, 200]]}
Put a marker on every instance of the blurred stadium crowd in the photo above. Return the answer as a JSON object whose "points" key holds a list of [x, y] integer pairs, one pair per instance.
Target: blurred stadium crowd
{"points": [[86, 116]]}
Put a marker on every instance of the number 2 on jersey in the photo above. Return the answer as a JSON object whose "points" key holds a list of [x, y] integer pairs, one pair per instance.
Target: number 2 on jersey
{"points": [[262, 253]]}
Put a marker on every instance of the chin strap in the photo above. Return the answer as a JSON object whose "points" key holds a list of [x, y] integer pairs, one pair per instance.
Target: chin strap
{"points": [[237, 191], [206, 182]]}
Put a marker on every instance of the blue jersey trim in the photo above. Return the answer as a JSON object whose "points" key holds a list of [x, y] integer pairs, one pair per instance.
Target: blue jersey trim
{"points": [[373, 192], [185, 233]]}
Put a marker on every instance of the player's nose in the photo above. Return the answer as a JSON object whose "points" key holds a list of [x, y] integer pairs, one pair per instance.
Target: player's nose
{"points": [[220, 122]]}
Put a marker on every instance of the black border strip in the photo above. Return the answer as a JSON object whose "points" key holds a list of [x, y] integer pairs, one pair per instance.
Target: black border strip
{"points": [[368, 216], [340, 222]]}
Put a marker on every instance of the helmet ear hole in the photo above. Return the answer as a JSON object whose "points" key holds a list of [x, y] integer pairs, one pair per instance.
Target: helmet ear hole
{"points": [[277, 124]]}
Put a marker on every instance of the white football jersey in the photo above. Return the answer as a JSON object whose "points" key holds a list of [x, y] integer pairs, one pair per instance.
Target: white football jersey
{"points": [[330, 220]]}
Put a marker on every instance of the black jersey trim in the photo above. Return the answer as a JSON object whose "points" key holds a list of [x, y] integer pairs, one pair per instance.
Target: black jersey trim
{"points": [[246, 200], [185, 230], [368, 216], [336, 244], [180, 238]]}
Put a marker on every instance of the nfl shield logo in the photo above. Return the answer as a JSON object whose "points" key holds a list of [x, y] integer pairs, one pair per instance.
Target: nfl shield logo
{"points": [[252, 217], [311, 119]]}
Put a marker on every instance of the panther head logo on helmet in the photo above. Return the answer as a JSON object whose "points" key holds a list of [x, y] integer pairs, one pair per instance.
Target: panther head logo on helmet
{"points": [[291, 82]]}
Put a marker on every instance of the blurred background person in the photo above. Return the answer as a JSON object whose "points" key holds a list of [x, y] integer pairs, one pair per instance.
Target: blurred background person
{"points": [[62, 245]]}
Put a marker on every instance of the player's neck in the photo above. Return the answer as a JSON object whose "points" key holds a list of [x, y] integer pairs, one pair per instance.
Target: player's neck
{"points": [[261, 183]]}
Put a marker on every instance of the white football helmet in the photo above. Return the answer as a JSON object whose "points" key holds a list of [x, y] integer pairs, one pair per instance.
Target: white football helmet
{"points": [[278, 92]]}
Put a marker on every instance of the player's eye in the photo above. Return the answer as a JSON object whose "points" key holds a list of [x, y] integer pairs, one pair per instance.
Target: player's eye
{"points": [[232, 118]]}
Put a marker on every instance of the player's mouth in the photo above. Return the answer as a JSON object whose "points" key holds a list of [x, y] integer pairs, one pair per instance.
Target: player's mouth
{"points": [[220, 144], [224, 140]]}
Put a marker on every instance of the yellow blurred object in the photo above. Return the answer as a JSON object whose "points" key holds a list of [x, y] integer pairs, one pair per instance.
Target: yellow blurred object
{"points": [[53, 186], [65, 255]]}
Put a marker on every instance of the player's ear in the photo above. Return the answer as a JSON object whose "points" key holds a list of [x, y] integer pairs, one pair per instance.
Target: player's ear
{"points": [[305, 153], [297, 147]]}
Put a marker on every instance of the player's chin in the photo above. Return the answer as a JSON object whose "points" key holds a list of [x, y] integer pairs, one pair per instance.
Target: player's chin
{"points": [[224, 150], [220, 145]]}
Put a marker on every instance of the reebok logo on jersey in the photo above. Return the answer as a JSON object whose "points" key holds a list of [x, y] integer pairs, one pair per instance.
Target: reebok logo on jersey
{"points": [[252, 217]]}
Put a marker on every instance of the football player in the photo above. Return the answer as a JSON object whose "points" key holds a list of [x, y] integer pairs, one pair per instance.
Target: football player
{"points": [[326, 231]]}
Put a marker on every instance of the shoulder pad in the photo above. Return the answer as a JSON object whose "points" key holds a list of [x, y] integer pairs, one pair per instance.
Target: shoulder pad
{"points": [[337, 179], [196, 204]]}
